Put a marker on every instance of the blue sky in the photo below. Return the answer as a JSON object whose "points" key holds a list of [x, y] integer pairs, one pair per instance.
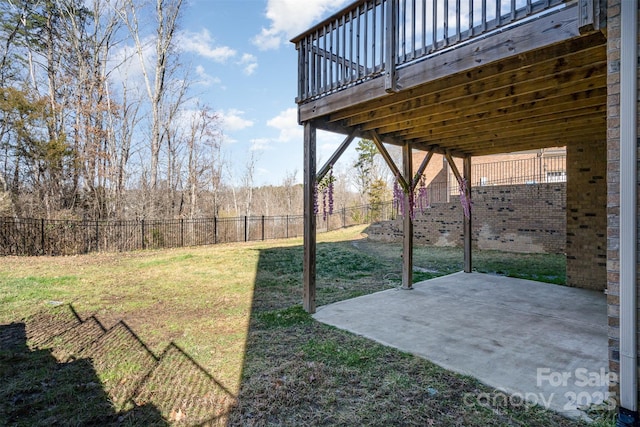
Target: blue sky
{"points": [[247, 72]]}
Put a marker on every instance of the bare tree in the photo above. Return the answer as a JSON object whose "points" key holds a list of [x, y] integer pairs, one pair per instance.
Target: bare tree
{"points": [[289, 184], [203, 145], [248, 182], [156, 80]]}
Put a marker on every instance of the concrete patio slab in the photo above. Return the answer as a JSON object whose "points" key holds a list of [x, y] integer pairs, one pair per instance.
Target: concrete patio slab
{"points": [[532, 341]]}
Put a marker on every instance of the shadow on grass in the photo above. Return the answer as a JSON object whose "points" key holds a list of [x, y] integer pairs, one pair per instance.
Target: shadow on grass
{"points": [[39, 390], [300, 372], [59, 369]]}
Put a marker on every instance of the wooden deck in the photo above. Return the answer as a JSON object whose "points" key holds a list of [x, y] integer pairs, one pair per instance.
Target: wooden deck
{"points": [[534, 83], [461, 78]]}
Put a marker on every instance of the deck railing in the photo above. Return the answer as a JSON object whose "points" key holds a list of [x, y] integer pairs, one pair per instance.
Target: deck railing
{"points": [[374, 37]]}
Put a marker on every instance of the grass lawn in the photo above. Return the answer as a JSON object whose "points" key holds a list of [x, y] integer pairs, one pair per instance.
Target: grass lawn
{"points": [[229, 316]]}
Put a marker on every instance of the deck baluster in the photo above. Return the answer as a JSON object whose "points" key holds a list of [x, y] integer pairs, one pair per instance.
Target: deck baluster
{"points": [[434, 26]]}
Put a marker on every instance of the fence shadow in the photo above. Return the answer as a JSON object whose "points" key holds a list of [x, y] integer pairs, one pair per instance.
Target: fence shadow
{"points": [[38, 390], [63, 370]]}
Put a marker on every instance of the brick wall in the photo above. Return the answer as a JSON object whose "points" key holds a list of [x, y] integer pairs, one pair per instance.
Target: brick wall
{"points": [[587, 215], [522, 218], [613, 183]]}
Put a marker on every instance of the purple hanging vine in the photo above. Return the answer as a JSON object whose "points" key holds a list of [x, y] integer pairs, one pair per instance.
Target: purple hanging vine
{"points": [[315, 198], [464, 200], [330, 191], [325, 187], [416, 201]]}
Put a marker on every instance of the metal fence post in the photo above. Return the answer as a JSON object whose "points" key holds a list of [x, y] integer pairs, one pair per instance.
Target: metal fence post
{"points": [[246, 229], [262, 220], [215, 230], [182, 232], [42, 235], [144, 246], [97, 236]]}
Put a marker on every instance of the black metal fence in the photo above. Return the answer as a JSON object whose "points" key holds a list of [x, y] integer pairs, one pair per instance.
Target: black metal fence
{"points": [[27, 236]]}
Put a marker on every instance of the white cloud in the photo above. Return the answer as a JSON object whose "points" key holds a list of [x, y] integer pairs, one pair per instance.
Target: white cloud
{"points": [[227, 140], [290, 18], [261, 144], [232, 120], [249, 62], [204, 45], [267, 39], [287, 123], [204, 78]]}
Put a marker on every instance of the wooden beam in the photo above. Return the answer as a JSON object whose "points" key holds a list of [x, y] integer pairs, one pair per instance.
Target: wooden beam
{"points": [[466, 170], [339, 60], [499, 119], [563, 56], [494, 105], [403, 180], [358, 133], [421, 169], [553, 128], [506, 125], [334, 158], [309, 262], [519, 87], [407, 223], [453, 166]]}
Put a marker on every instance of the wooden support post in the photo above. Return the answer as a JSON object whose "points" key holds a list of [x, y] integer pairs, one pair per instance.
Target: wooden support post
{"points": [[407, 223], [309, 266], [466, 171]]}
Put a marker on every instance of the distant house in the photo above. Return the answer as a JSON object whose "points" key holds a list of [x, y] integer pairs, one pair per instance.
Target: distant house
{"points": [[538, 166]]}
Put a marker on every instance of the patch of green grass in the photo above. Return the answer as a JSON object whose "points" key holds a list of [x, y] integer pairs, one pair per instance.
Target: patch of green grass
{"points": [[285, 317], [439, 261], [343, 353], [550, 268], [419, 276]]}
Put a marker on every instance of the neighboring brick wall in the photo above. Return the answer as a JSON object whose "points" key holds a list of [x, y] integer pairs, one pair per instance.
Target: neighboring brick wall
{"points": [[518, 218], [587, 215]]}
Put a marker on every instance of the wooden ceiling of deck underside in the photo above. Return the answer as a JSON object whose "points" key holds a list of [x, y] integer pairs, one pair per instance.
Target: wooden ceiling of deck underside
{"points": [[547, 97]]}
